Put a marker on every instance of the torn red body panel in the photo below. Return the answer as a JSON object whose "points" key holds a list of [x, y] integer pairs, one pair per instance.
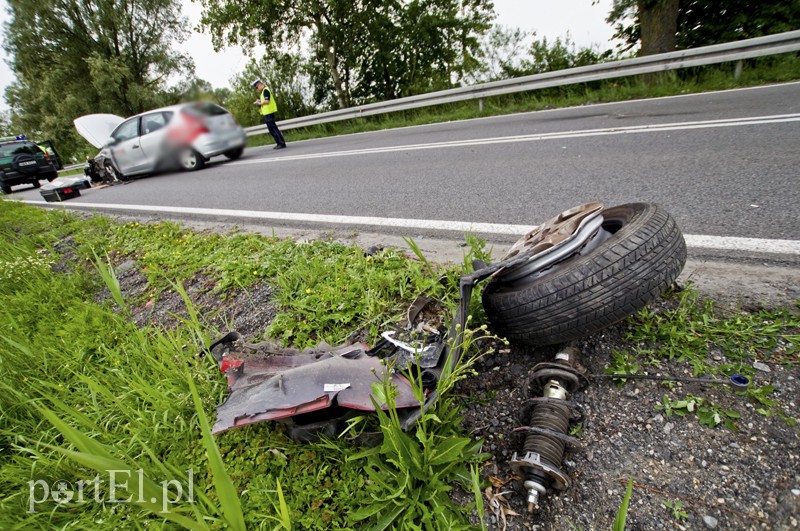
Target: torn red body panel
{"points": [[316, 391], [289, 385]]}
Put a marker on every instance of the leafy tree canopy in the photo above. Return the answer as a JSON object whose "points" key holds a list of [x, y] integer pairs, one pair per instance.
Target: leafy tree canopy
{"points": [[78, 57], [287, 77], [511, 52], [706, 22], [361, 50], [5, 124]]}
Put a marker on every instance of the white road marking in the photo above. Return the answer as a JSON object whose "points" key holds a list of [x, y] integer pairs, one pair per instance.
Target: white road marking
{"points": [[756, 245], [725, 243], [547, 111], [560, 135]]}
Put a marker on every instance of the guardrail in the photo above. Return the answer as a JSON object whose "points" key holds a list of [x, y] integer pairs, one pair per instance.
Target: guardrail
{"points": [[718, 53]]}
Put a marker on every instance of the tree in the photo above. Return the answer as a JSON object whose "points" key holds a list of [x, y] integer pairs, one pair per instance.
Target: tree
{"points": [[509, 53], [198, 89], [502, 52], [654, 24], [282, 23], [706, 22], [287, 78], [559, 55], [698, 22], [420, 46], [5, 123], [80, 57], [370, 49]]}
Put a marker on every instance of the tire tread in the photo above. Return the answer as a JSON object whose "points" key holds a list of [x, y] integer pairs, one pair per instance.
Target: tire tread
{"points": [[617, 279]]}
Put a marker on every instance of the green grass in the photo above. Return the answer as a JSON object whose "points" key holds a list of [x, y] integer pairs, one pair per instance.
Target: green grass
{"points": [[622, 512], [68, 173], [696, 337], [410, 475], [356, 291], [87, 391], [695, 330], [775, 69]]}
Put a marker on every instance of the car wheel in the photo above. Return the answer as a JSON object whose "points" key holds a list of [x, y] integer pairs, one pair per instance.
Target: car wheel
{"points": [[51, 176], [643, 255], [36, 183], [191, 160], [234, 153], [6, 189]]}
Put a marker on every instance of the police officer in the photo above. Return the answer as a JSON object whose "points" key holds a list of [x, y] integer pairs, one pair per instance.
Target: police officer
{"points": [[268, 108]]}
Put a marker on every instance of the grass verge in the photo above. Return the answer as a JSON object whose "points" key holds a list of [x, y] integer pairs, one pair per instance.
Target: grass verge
{"points": [[696, 339], [104, 423]]}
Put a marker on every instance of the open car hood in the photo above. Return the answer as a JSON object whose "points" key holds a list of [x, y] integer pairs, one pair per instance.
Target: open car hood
{"points": [[96, 128]]}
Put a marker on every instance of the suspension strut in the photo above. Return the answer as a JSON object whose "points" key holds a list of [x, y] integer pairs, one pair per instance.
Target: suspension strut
{"points": [[548, 425]]}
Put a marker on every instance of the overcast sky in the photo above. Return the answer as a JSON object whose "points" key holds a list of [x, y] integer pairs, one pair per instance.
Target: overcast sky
{"points": [[584, 22]]}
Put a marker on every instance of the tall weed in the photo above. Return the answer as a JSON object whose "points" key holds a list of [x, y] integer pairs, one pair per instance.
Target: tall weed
{"points": [[86, 390], [411, 473]]}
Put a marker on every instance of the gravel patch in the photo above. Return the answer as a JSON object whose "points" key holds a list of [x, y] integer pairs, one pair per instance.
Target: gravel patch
{"points": [[722, 479]]}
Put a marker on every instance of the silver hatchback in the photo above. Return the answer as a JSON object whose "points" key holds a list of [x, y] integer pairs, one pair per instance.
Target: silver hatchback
{"points": [[181, 136]]}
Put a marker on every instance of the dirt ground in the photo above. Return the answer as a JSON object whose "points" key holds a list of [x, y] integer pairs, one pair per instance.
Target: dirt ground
{"points": [[718, 478], [748, 479]]}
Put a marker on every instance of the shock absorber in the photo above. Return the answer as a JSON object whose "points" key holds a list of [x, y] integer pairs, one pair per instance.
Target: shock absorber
{"points": [[547, 432]]}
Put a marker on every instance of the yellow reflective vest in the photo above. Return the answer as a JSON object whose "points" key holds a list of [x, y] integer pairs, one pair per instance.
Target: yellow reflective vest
{"points": [[271, 107]]}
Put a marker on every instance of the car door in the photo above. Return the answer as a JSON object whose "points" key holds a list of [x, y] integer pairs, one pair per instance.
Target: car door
{"points": [[52, 153], [126, 149], [152, 139]]}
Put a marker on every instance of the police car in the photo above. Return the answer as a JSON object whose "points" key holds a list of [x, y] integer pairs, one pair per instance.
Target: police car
{"points": [[23, 161]]}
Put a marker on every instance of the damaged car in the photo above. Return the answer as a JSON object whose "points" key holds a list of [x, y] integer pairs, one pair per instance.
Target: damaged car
{"points": [[181, 137]]}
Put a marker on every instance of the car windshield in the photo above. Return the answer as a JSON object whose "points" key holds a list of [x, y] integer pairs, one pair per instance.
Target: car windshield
{"points": [[205, 108], [15, 148]]}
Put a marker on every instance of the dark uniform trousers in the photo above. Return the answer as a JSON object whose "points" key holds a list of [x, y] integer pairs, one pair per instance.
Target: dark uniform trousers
{"points": [[269, 120]]}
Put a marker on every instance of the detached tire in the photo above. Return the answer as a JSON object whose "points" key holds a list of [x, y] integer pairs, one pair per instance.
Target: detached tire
{"points": [[585, 294]]}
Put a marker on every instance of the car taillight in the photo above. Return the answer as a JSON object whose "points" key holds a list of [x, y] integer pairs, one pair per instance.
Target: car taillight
{"points": [[67, 190]]}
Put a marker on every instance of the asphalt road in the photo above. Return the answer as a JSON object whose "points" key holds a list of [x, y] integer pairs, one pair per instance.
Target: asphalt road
{"points": [[725, 164]]}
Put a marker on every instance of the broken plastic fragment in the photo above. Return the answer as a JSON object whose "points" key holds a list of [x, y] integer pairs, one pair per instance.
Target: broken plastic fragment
{"points": [[332, 388]]}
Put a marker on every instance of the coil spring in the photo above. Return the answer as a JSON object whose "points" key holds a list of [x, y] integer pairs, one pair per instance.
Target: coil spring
{"points": [[553, 417], [548, 426]]}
